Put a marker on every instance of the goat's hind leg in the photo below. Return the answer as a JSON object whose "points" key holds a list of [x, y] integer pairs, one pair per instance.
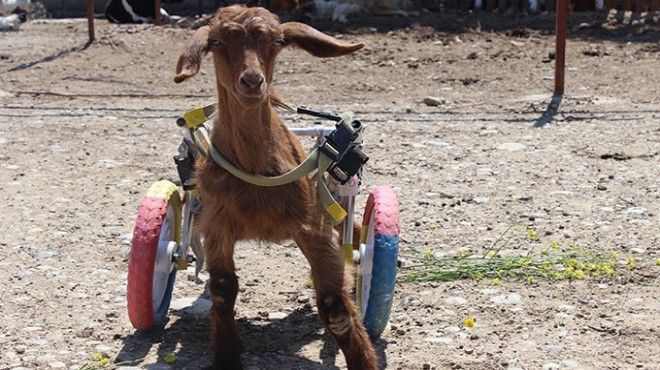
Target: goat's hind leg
{"points": [[223, 286], [336, 309]]}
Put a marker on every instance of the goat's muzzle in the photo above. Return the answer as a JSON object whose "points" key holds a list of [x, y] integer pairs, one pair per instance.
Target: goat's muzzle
{"points": [[251, 84]]}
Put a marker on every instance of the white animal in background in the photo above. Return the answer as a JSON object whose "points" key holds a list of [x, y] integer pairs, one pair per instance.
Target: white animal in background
{"points": [[12, 22], [9, 6], [341, 10]]}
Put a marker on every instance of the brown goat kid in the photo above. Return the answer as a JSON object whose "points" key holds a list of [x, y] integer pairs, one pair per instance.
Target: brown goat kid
{"points": [[248, 132]]}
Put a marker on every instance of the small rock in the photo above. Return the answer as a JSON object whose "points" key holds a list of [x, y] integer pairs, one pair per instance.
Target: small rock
{"points": [[433, 101], [481, 200], [46, 359], [126, 238], [511, 147], [438, 340], [440, 144], [551, 366], [195, 306], [277, 315], [44, 254], [303, 299], [456, 301], [512, 298], [570, 363], [526, 197], [635, 210]]}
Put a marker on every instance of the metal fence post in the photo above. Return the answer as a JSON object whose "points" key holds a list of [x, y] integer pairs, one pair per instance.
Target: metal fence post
{"points": [[560, 47], [90, 19]]}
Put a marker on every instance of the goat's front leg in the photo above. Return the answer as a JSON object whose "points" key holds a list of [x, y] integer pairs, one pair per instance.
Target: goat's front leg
{"points": [[223, 286], [336, 309]]}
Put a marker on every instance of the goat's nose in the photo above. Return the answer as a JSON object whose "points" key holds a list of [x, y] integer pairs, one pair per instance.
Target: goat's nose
{"points": [[252, 80]]}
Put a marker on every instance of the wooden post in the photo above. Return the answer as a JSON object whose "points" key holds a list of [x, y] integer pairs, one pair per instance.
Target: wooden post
{"points": [[90, 19], [157, 15], [560, 46]]}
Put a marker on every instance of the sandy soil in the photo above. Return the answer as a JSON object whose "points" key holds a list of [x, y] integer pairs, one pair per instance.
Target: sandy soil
{"points": [[84, 130]]}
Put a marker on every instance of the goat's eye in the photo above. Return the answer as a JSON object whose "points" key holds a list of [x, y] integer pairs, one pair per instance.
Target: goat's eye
{"points": [[278, 42], [215, 41]]}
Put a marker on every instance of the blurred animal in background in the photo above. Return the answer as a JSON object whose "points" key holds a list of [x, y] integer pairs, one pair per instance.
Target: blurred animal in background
{"points": [[134, 11], [12, 22], [341, 10], [277, 6], [13, 13], [14, 6]]}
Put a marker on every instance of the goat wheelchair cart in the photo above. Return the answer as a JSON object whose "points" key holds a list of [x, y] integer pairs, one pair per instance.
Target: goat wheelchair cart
{"points": [[164, 240]]}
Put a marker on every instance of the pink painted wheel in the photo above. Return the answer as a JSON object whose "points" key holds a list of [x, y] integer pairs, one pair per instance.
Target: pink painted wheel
{"points": [[151, 270], [379, 251]]}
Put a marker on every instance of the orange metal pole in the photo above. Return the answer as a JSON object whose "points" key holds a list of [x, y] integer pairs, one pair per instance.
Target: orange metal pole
{"points": [[90, 19], [560, 47], [157, 15]]}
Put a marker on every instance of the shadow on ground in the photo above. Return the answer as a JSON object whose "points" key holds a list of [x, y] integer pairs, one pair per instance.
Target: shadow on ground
{"points": [[267, 344]]}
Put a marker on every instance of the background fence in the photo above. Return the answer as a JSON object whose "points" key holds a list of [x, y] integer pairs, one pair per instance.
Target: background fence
{"points": [[550, 5]]}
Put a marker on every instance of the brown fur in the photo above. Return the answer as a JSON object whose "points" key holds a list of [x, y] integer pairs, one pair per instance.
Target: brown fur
{"points": [[248, 132]]}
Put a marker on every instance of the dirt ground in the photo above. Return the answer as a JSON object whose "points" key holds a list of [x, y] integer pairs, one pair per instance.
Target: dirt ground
{"points": [[84, 131]]}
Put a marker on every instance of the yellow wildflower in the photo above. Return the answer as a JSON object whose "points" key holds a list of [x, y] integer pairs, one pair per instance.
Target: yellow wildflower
{"points": [[496, 281], [491, 254], [469, 322], [98, 357], [530, 279], [170, 358], [532, 234]]}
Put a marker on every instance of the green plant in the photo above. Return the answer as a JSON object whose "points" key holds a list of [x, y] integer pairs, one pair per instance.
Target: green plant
{"points": [[552, 262]]}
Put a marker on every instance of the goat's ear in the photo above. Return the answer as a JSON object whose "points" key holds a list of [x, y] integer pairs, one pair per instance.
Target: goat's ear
{"points": [[191, 58], [316, 42]]}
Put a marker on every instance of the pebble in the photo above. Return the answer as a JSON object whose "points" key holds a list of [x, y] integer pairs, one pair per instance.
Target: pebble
{"points": [[277, 315], [192, 305], [440, 144], [46, 359], [635, 210], [438, 340], [551, 366], [44, 254], [570, 363], [511, 147], [456, 301], [126, 238], [512, 298], [432, 101], [481, 200]]}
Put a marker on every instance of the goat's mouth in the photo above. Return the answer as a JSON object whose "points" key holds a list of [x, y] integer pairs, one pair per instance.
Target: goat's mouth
{"points": [[250, 94]]}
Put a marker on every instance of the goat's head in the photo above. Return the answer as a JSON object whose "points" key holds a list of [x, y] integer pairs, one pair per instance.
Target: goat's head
{"points": [[244, 43]]}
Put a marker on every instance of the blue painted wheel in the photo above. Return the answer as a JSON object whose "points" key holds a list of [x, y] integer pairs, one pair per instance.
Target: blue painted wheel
{"points": [[379, 250]]}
